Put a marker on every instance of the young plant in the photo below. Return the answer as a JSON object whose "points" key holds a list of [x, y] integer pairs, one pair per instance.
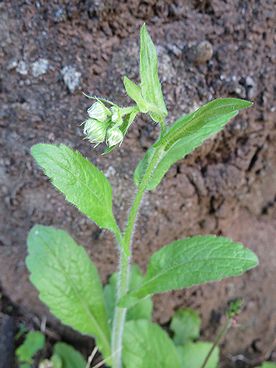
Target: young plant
{"points": [[68, 282]]}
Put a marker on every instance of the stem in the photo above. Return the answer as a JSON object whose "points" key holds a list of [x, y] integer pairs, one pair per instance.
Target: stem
{"points": [[219, 337], [124, 268]]}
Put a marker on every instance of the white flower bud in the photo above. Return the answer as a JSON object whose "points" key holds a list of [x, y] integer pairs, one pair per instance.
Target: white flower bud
{"points": [[116, 115], [95, 130], [114, 136], [98, 111]]}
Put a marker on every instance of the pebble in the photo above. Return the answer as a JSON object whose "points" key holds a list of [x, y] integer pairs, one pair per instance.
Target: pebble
{"points": [[22, 68], [71, 77], [40, 67], [200, 53]]}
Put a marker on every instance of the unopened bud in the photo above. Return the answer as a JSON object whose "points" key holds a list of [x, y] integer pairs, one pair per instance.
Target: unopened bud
{"points": [[114, 136], [95, 130], [98, 111]]}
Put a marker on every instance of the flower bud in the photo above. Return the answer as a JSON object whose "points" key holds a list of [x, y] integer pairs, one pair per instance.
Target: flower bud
{"points": [[114, 136], [95, 130], [98, 111], [116, 115]]}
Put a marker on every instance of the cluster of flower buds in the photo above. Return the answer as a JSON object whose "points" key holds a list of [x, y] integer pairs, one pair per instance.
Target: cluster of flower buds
{"points": [[103, 124]]}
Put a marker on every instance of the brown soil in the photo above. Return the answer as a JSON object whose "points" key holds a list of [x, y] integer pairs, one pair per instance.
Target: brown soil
{"points": [[207, 49]]}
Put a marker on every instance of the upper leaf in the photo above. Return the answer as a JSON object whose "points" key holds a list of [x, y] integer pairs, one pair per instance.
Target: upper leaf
{"points": [[68, 282], [192, 355], [187, 133], [69, 357], [135, 93], [186, 326], [192, 261], [142, 310], [82, 183], [150, 84], [146, 345]]}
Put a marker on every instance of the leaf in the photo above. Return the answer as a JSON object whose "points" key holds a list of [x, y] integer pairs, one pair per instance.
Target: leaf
{"points": [[142, 310], [82, 183], [150, 84], [69, 357], [192, 261], [146, 345], [188, 133], [135, 93], [268, 365], [186, 326], [192, 355], [68, 283], [33, 342]]}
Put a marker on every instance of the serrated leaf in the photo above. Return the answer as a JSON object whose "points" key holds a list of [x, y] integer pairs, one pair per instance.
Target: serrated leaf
{"points": [[135, 93], [188, 133], [150, 84], [82, 183], [142, 310], [68, 283], [146, 345], [185, 325], [69, 357], [192, 261], [34, 341], [192, 355]]}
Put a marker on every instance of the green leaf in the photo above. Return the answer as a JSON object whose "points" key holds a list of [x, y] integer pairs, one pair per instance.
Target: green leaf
{"points": [[68, 283], [146, 345], [192, 355], [33, 342], [142, 310], [268, 365], [82, 183], [192, 261], [69, 357], [135, 93], [56, 361], [150, 84], [186, 326], [188, 133]]}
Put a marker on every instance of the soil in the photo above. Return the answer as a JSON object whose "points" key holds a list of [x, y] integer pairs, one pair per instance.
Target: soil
{"points": [[207, 49]]}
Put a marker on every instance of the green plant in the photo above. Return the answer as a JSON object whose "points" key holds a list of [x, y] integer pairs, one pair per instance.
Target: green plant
{"points": [[32, 344], [118, 317]]}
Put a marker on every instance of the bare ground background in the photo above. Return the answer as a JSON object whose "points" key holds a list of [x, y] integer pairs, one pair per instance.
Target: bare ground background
{"points": [[51, 51]]}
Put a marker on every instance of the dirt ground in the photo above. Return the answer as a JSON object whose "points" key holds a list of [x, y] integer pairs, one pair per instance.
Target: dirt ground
{"points": [[51, 51]]}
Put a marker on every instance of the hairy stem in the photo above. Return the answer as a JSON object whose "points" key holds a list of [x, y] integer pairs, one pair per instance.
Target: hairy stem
{"points": [[124, 268]]}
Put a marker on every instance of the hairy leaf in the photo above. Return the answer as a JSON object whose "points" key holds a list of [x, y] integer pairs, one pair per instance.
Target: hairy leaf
{"points": [[146, 345], [135, 93], [192, 355], [69, 357], [68, 282], [33, 342], [142, 310], [192, 261], [82, 183], [187, 133], [186, 326], [150, 84]]}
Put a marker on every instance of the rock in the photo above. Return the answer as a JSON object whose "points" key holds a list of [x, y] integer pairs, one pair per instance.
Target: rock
{"points": [[200, 53], [6, 341], [22, 68], [40, 67], [12, 64], [71, 77]]}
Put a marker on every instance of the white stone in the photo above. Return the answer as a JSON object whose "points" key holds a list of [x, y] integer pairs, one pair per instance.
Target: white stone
{"points": [[40, 67]]}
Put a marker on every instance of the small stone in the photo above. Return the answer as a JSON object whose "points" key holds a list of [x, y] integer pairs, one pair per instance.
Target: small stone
{"points": [[71, 77], [22, 68], [200, 53], [40, 67], [12, 64]]}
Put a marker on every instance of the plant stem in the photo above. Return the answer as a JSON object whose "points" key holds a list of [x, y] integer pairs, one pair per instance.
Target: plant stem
{"points": [[124, 267], [219, 337]]}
